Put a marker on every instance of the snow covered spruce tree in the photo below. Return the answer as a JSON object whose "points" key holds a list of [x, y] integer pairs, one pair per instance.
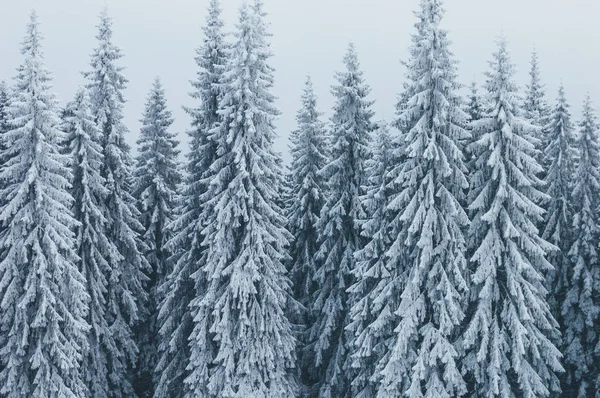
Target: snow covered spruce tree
{"points": [[474, 106], [43, 300], [307, 191], [475, 110], [560, 156], [4, 97], [424, 359], [581, 308], [177, 291], [306, 196], [4, 103], [242, 344], [339, 230], [508, 334], [369, 333], [125, 292], [536, 108], [4, 127], [97, 254], [156, 180]]}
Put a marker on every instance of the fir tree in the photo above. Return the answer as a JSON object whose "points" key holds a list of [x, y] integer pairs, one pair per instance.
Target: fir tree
{"points": [[560, 156], [306, 198], [96, 253], [509, 331], [432, 192], [125, 292], [177, 291], [4, 104], [339, 230], [370, 313], [536, 109], [43, 300], [156, 180], [474, 106], [242, 343], [581, 307], [475, 110], [4, 127]]}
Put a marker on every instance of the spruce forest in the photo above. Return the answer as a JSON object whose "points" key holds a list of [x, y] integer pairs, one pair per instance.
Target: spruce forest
{"points": [[452, 251]]}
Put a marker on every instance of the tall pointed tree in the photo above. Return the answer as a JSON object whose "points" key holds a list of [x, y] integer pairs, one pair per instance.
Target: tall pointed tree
{"points": [[536, 108], [474, 106], [370, 313], [509, 331], [156, 180], [242, 344], [432, 192], [4, 127], [97, 253], [339, 229], [306, 197], [581, 307], [4, 103], [4, 116], [43, 300], [560, 156], [126, 294], [186, 246], [475, 110]]}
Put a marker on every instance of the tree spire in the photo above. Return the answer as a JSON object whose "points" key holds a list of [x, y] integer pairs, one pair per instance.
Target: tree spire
{"points": [[536, 108], [186, 242], [156, 180], [307, 196], [581, 306], [508, 335], [242, 343], [43, 299], [424, 360], [560, 156], [339, 230], [125, 291]]}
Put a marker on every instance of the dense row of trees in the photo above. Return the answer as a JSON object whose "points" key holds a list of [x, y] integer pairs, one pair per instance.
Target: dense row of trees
{"points": [[451, 253]]}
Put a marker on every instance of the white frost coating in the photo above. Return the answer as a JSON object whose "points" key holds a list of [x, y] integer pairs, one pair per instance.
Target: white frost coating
{"points": [[307, 189], [155, 182], [185, 244], [424, 358], [43, 300], [125, 292], [581, 306], [508, 337], [339, 228], [242, 343]]}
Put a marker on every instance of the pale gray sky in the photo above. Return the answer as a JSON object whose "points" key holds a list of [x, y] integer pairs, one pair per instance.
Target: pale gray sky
{"points": [[159, 37]]}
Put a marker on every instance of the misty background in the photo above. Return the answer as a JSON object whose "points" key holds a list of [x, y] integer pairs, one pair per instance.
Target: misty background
{"points": [[159, 38]]}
